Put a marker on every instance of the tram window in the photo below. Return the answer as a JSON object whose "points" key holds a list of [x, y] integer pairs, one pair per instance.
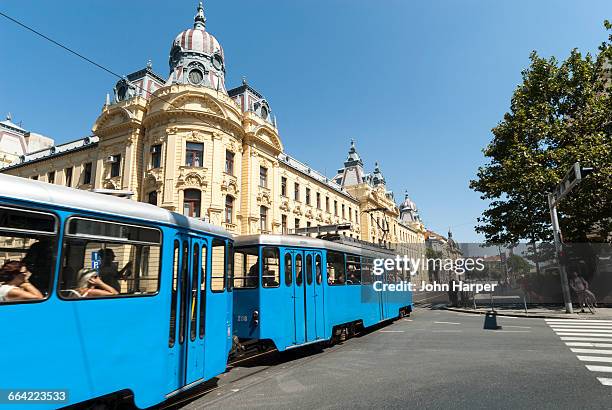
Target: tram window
{"points": [[246, 268], [28, 247], [219, 267], [203, 292], [336, 274], [319, 273], [366, 270], [270, 273], [298, 269], [288, 273], [353, 270], [175, 264], [309, 269], [105, 259], [230, 266], [194, 292]]}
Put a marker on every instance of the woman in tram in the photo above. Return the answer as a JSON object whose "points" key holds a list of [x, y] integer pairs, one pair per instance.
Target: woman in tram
{"points": [[15, 285]]}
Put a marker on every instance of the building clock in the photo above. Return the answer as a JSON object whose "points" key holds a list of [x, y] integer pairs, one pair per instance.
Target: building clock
{"points": [[217, 61]]}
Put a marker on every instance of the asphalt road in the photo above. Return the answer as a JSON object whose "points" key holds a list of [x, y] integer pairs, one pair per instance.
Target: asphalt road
{"points": [[435, 359]]}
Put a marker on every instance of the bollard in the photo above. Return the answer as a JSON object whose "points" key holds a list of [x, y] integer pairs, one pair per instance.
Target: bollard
{"points": [[490, 322]]}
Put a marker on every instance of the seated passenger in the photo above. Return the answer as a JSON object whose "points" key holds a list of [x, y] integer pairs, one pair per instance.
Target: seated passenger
{"points": [[38, 260], [15, 285], [89, 284], [108, 270]]}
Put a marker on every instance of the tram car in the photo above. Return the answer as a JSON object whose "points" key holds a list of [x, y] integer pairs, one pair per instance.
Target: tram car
{"points": [[290, 290], [102, 297]]}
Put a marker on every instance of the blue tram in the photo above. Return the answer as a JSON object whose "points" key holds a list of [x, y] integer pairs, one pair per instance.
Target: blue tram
{"points": [[103, 296], [290, 291]]}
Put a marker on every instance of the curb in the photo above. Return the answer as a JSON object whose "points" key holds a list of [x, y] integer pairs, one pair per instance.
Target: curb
{"points": [[528, 315]]}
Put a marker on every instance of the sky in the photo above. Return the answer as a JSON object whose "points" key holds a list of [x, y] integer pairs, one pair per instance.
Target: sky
{"points": [[417, 84]]}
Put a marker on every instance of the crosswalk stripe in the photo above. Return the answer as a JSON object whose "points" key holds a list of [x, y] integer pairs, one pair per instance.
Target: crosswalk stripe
{"points": [[586, 339], [599, 368], [605, 381], [579, 327], [583, 330], [586, 344], [595, 359], [583, 334], [592, 351], [577, 321]]}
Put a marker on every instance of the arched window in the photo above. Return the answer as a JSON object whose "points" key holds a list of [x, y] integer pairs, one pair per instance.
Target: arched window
{"points": [[152, 199], [229, 209], [263, 219], [192, 203]]}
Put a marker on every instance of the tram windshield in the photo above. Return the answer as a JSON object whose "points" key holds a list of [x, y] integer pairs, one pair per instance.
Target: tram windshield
{"points": [[28, 246]]}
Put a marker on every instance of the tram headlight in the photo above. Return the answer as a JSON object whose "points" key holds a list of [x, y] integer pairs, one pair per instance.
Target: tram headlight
{"points": [[255, 317]]}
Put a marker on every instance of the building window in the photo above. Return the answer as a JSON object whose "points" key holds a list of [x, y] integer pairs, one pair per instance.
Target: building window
{"points": [[152, 199], [356, 217], [87, 173], [68, 175], [229, 162], [51, 177], [156, 156], [195, 154], [326, 204], [283, 186], [263, 177], [192, 202], [115, 165], [307, 196], [343, 213], [263, 218], [35, 178], [350, 213], [318, 200], [296, 191], [229, 209], [336, 208], [308, 224], [284, 224], [297, 223]]}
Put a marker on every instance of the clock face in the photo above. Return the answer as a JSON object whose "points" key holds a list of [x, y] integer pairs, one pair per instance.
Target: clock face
{"points": [[195, 76], [217, 61]]}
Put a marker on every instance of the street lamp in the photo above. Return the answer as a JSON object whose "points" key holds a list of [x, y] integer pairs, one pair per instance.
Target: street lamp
{"points": [[572, 178]]}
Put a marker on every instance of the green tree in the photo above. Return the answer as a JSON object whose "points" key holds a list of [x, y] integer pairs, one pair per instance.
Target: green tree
{"points": [[560, 114]]}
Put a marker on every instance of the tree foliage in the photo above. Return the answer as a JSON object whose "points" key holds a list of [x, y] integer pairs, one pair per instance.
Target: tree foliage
{"points": [[560, 114]]}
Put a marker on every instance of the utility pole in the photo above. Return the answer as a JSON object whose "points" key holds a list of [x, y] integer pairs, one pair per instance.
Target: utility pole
{"points": [[571, 179]]}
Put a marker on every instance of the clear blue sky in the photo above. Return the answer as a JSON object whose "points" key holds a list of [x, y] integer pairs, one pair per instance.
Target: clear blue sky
{"points": [[418, 84]]}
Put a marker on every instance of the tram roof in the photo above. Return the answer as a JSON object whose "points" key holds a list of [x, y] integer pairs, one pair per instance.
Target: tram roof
{"points": [[37, 191], [297, 241]]}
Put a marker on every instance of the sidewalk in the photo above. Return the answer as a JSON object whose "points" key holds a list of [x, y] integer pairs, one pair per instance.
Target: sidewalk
{"points": [[549, 312]]}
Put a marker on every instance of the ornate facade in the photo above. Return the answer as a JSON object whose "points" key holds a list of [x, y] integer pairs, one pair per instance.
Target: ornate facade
{"points": [[187, 144]]}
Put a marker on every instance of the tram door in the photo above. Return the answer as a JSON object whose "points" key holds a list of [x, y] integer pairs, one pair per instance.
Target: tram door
{"points": [[299, 301], [313, 296]]}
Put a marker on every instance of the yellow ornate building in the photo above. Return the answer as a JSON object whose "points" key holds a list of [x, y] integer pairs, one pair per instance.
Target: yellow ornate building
{"points": [[186, 144]]}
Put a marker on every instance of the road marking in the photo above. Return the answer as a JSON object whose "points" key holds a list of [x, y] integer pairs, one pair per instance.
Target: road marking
{"points": [[585, 344], [448, 323], [583, 330], [605, 381], [577, 326], [407, 320], [391, 331], [607, 369], [592, 321], [519, 327], [592, 351], [595, 359], [583, 334], [587, 339]]}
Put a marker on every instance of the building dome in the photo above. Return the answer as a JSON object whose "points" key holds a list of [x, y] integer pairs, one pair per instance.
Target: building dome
{"points": [[408, 210], [408, 204], [196, 57]]}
